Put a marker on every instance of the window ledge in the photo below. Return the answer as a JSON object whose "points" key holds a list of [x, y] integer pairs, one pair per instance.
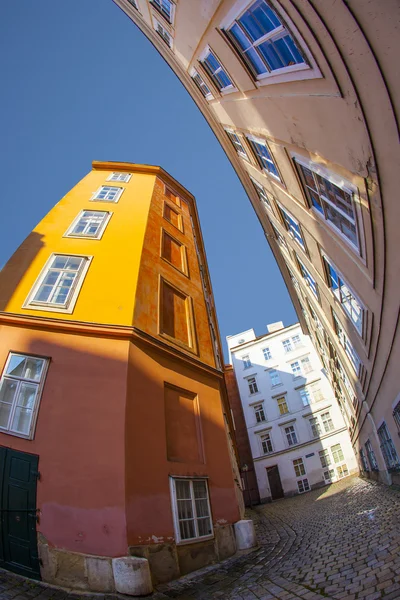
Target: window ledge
{"points": [[195, 540]]}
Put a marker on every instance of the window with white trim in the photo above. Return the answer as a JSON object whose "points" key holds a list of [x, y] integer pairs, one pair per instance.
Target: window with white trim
{"points": [[347, 345], [296, 339], [388, 449], [327, 421], [252, 383], [20, 389], [263, 156], [162, 32], [192, 511], [282, 405], [324, 458], [344, 295], [259, 413], [364, 462], [333, 203], [371, 456], [306, 365], [315, 427], [237, 143], [59, 282], [89, 224], [266, 443], [262, 194], [291, 436], [246, 362], [296, 368], [274, 377], [396, 415], [279, 237], [299, 468], [329, 475], [303, 486], [267, 353], [337, 453], [308, 278], [263, 41], [287, 346], [342, 471], [166, 8], [124, 177], [293, 227], [108, 193], [217, 72], [305, 396], [201, 84]]}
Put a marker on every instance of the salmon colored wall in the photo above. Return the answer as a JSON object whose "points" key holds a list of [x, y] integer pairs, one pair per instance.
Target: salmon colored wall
{"points": [[152, 265], [148, 503], [79, 439], [108, 292]]}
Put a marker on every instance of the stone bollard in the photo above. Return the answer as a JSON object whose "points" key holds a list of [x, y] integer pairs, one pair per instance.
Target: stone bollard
{"points": [[245, 534], [132, 576]]}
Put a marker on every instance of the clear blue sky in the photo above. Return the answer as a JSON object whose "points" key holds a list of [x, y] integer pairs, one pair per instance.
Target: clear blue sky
{"points": [[81, 83]]}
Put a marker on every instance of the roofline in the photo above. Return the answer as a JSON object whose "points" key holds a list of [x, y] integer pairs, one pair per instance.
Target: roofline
{"points": [[240, 333], [110, 165], [261, 337]]}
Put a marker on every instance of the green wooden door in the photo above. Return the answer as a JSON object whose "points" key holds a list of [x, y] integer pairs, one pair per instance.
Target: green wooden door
{"points": [[18, 541]]}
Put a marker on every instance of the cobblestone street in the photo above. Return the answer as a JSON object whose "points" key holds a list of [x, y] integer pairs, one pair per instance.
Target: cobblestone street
{"points": [[342, 541]]}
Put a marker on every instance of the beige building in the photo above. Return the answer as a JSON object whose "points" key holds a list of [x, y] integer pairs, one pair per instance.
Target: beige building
{"points": [[303, 95]]}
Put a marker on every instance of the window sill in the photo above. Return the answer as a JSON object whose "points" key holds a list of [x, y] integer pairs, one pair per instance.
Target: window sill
{"points": [[195, 540], [19, 435]]}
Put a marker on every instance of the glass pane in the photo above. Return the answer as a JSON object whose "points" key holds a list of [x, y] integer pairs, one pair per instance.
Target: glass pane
{"points": [[212, 62], [4, 414], [202, 508], [16, 365], [73, 263], [187, 529], [204, 526], [223, 79], [22, 420], [33, 368], [287, 50], [259, 20], [27, 395], [185, 509], [240, 37], [7, 390], [271, 56], [200, 489], [59, 262], [182, 489]]}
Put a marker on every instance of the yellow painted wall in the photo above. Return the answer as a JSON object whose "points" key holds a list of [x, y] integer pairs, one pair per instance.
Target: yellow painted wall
{"points": [[108, 292]]}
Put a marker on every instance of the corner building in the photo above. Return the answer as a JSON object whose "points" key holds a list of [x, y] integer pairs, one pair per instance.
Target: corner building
{"points": [[304, 97], [113, 420]]}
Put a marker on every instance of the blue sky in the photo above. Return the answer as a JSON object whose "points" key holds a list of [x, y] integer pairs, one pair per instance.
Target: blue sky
{"points": [[81, 83]]}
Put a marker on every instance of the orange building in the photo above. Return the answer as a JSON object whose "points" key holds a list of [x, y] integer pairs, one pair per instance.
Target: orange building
{"points": [[114, 426]]}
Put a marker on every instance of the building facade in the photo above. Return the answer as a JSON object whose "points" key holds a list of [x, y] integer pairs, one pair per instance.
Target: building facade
{"points": [[298, 437], [303, 96], [114, 422]]}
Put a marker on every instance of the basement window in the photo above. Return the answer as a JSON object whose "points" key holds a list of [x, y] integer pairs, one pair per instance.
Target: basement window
{"points": [[191, 509]]}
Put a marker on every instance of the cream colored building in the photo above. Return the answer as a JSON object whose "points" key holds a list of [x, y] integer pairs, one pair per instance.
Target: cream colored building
{"points": [[303, 95]]}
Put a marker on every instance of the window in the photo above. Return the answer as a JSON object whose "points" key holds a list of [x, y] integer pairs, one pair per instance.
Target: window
{"points": [[59, 283], [324, 458], [337, 453], [163, 33], [305, 396], [296, 339], [303, 486], [124, 177], [108, 193], [299, 467], [240, 342], [20, 388], [133, 3], [237, 144], [309, 280], [165, 8], [344, 295], [342, 471], [293, 227], [364, 463], [216, 71], [287, 346], [283, 407], [264, 156], [296, 369], [316, 392], [327, 422], [371, 456], [246, 362], [329, 475], [306, 365], [347, 345], [263, 41], [253, 389], [333, 203], [387, 447], [89, 224], [315, 427], [396, 415], [290, 435], [203, 87], [274, 377], [279, 237], [262, 194], [266, 443], [259, 413], [267, 353], [191, 509]]}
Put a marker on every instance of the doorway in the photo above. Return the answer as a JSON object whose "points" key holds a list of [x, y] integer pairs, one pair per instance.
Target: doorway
{"points": [[275, 484], [18, 540]]}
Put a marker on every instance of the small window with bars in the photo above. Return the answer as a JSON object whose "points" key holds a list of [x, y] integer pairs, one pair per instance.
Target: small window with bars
{"points": [[192, 511]]}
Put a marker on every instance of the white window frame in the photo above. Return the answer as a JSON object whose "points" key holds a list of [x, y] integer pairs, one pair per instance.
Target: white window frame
{"points": [[263, 142], [164, 34], [259, 410], [118, 195], [238, 143], [246, 361], [283, 403], [300, 458], [278, 376], [306, 70], [40, 384], [285, 436], [75, 289], [253, 383], [123, 177], [261, 435], [267, 350], [327, 421], [287, 345], [193, 74], [300, 482], [347, 345], [69, 233], [229, 89], [175, 514], [337, 453], [291, 231], [315, 427], [170, 20], [262, 193]]}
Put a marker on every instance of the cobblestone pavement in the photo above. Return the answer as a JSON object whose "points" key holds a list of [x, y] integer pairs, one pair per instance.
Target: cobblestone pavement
{"points": [[341, 541]]}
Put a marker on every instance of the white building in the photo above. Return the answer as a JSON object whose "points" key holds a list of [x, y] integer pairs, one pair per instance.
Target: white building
{"points": [[296, 430]]}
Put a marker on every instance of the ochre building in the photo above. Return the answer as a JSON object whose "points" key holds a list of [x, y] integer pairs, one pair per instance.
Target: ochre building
{"points": [[303, 96], [114, 431]]}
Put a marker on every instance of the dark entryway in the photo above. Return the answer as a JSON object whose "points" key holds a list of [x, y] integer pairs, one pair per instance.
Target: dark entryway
{"points": [[275, 484], [18, 542]]}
